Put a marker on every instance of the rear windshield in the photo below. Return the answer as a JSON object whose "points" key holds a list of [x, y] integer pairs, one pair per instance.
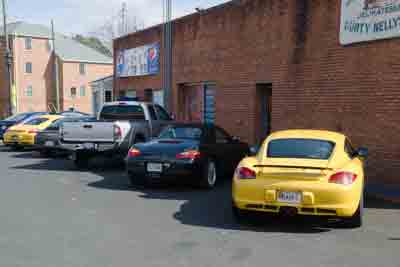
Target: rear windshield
{"points": [[181, 133], [300, 148], [122, 112], [36, 121]]}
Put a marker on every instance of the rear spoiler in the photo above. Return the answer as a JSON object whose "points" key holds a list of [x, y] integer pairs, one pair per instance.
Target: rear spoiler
{"points": [[292, 167]]}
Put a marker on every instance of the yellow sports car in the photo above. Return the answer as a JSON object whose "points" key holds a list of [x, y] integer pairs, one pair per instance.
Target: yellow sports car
{"points": [[303, 172], [24, 134]]}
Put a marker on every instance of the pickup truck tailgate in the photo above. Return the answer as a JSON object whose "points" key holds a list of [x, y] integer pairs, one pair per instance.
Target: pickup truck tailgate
{"points": [[101, 132]]}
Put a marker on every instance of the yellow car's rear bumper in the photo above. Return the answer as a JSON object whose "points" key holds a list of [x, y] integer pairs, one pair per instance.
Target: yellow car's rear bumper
{"points": [[318, 198], [23, 139]]}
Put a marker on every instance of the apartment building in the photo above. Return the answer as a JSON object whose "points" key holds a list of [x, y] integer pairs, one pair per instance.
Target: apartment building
{"points": [[33, 70]]}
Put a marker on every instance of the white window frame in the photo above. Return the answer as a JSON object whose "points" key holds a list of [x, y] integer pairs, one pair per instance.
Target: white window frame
{"points": [[28, 43]]}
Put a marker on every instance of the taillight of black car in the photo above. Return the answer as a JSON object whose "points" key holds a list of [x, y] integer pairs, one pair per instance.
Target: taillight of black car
{"points": [[189, 154], [133, 153]]}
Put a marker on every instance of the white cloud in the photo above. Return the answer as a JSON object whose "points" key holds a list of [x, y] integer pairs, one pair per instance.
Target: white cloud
{"points": [[81, 16]]}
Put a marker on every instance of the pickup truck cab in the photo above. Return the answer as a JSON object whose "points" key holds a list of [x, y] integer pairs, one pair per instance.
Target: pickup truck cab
{"points": [[119, 125]]}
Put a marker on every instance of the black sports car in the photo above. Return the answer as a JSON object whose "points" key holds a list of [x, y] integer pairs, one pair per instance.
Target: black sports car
{"points": [[48, 142], [198, 153], [16, 119]]}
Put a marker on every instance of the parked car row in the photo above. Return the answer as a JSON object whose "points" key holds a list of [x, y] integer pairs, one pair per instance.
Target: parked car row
{"points": [[294, 172]]}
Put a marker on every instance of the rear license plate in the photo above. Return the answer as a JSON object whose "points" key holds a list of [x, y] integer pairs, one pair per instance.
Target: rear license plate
{"points": [[289, 197], [49, 144], [154, 167], [89, 146]]}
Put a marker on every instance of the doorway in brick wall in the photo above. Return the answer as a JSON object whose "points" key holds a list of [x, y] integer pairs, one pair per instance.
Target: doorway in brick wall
{"points": [[196, 102], [263, 106]]}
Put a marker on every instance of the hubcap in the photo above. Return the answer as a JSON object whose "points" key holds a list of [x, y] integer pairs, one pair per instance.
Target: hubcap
{"points": [[212, 175]]}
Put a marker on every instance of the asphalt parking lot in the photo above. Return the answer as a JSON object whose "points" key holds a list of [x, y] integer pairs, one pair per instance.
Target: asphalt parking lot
{"points": [[53, 215]]}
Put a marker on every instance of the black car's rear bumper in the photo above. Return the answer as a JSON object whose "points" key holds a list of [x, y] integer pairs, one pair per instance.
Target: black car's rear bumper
{"points": [[172, 171]]}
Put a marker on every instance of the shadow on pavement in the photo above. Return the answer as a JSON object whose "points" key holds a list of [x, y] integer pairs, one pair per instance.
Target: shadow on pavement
{"points": [[208, 208], [200, 208]]}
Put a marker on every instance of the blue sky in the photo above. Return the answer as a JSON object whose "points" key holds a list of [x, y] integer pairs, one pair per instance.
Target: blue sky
{"points": [[82, 16]]}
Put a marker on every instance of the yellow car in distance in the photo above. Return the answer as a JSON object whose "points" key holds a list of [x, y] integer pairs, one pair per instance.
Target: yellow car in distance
{"points": [[23, 134], [305, 172]]}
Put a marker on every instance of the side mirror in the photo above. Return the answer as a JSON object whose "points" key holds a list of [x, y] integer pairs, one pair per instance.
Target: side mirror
{"points": [[173, 117], [254, 150], [362, 153]]}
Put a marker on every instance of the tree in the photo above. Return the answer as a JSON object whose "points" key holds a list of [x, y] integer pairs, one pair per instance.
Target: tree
{"points": [[94, 43], [118, 25]]}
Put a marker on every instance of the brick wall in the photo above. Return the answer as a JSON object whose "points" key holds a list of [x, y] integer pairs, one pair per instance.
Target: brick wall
{"points": [[73, 78], [41, 77], [139, 84], [294, 45]]}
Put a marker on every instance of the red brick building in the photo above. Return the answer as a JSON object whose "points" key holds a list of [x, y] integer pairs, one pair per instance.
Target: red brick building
{"points": [[278, 64], [33, 70]]}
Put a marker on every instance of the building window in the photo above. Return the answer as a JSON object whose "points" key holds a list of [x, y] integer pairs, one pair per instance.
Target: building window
{"points": [[29, 91], [28, 43], [82, 91], [108, 96], [82, 68], [28, 67], [73, 92]]}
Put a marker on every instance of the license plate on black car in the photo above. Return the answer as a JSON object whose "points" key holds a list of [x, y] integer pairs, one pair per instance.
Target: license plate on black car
{"points": [[154, 167]]}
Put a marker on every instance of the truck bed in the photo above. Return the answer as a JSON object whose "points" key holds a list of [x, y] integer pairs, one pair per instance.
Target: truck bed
{"points": [[88, 132]]}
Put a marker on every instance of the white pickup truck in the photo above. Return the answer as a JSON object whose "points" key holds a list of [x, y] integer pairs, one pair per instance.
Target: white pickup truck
{"points": [[119, 125]]}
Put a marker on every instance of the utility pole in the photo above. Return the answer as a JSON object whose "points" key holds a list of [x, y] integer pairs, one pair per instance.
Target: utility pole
{"points": [[124, 20], [56, 69], [167, 47], [8, 59]]}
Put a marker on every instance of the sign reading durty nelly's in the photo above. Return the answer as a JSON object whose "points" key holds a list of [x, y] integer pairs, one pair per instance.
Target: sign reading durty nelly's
{"points": [[368, 20]]}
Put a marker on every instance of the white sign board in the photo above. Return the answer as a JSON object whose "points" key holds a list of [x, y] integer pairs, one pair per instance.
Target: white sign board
{"points": [[367, 20], [138, 61]]}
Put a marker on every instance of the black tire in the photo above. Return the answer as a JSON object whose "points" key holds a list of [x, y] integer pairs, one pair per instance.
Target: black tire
{"points": [[16, 147], [81, 160], [240, 216], [356, 220], [45, 153], [209, 175]]}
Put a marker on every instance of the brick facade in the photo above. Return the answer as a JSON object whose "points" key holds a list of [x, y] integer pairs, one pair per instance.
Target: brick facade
{"points": [[42, 78], [75, 79], [292, 46]]}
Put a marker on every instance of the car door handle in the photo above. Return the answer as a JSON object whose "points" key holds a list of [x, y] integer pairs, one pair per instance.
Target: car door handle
{"points": [[87, 126]]}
